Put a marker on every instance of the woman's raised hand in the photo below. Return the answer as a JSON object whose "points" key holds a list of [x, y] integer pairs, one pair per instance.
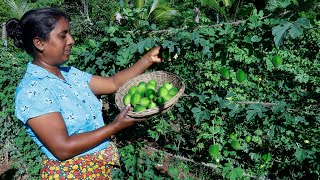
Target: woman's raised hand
{"points": [[153, 55]]}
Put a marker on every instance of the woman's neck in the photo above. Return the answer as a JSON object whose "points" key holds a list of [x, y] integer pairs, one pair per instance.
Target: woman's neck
{"points": [[51, 68]]}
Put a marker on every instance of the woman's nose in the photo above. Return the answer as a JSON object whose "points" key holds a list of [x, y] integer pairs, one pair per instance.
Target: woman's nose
{"points": [[70, 40]]}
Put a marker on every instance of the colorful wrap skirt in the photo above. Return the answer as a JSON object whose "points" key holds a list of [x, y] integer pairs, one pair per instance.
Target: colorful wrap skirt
{"points": [[91, 166]]}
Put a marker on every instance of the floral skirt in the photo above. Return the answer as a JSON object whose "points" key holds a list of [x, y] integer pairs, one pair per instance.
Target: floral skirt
{"points": [[91, 166]]}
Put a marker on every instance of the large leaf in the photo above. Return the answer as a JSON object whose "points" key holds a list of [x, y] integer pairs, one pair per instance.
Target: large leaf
{"points": [[255, 110], [153, 6], [18, 10], [275, 4], [295, 29], [146, 43], [200, 115], [279, 32], [125, 55]]}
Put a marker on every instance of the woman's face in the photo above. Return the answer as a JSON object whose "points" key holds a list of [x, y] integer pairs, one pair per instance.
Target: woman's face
{"points": [[58, 46]]}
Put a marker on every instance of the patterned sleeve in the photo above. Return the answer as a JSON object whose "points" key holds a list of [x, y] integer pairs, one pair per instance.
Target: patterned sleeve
{"points": [[81, 75], [34, 100]]}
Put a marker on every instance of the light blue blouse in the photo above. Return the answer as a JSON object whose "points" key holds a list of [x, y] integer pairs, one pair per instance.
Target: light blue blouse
{"points": [[40, 92]]}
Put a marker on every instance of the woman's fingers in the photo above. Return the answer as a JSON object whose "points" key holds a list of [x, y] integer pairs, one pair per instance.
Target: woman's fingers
{"points": [[154, 54]]}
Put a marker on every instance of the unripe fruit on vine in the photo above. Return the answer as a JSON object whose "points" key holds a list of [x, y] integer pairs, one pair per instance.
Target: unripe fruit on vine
{"points": [[235, 145], [277, 60], [224, 72], [214, 150], [232, 136], [266, 157], [248, 139], [165, 54], [241, 75]]}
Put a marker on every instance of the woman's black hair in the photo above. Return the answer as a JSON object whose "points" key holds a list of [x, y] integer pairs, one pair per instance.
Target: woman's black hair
{"points": [[34, 23]]}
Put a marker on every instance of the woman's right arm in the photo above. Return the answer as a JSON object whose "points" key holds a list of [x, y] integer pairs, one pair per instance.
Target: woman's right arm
{"points": [[51, 130]]}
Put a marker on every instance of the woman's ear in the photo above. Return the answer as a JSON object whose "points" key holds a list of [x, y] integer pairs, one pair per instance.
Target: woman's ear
{"points": [[38, 43]]}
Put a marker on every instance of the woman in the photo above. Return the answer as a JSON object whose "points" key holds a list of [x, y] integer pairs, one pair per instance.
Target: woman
{"points": [[58, 105]]}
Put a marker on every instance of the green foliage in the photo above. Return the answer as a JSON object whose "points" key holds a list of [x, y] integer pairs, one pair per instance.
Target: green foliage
{"points": [[220, 6], [5, 12], [294, 29], [24, 154], [17, 9]]}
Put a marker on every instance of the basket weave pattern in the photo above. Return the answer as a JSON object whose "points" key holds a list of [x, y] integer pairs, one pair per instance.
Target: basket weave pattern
{"points": [[160, 77]]}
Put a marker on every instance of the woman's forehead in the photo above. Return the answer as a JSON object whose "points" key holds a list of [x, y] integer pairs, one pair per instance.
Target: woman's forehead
{"points": [[62, 25]]}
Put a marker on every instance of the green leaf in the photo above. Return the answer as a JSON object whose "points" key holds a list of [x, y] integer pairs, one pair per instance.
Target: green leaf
{"points": [[173, 171], [199, 115], [215, 98], [279, 107], [275, 4], [300, 119], [279, 32], [169, 44], [124, 56], [266, 157], [300, 154], [234, 110], [303, 22], [254, 110], [236, 173], [296, 27], [146, 43], [302, 77], [255, 38], [254, 19], [202, 97]]}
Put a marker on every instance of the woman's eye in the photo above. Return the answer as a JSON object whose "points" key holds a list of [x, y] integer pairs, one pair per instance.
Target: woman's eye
{"points": [[63, 35]]}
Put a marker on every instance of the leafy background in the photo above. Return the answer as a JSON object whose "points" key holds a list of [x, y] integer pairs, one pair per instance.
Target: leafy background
{"points": [[266, 127]]}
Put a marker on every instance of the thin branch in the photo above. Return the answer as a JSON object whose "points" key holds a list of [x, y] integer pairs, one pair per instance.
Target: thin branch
{"points": [[209, 165], [253, 102], [235, 23]]}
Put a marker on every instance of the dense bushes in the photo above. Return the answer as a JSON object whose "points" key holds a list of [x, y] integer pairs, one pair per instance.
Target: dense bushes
{"points": [[264, 127]]}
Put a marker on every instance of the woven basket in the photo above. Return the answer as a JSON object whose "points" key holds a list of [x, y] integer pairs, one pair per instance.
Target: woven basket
{"points": [[160, 77]]}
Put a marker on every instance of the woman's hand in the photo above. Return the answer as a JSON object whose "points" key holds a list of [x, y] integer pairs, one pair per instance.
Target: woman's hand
{"points": [[153, 55], [123, 120]]}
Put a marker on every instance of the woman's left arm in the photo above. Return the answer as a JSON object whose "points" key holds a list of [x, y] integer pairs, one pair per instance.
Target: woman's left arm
{"points": [[107, 85]]}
